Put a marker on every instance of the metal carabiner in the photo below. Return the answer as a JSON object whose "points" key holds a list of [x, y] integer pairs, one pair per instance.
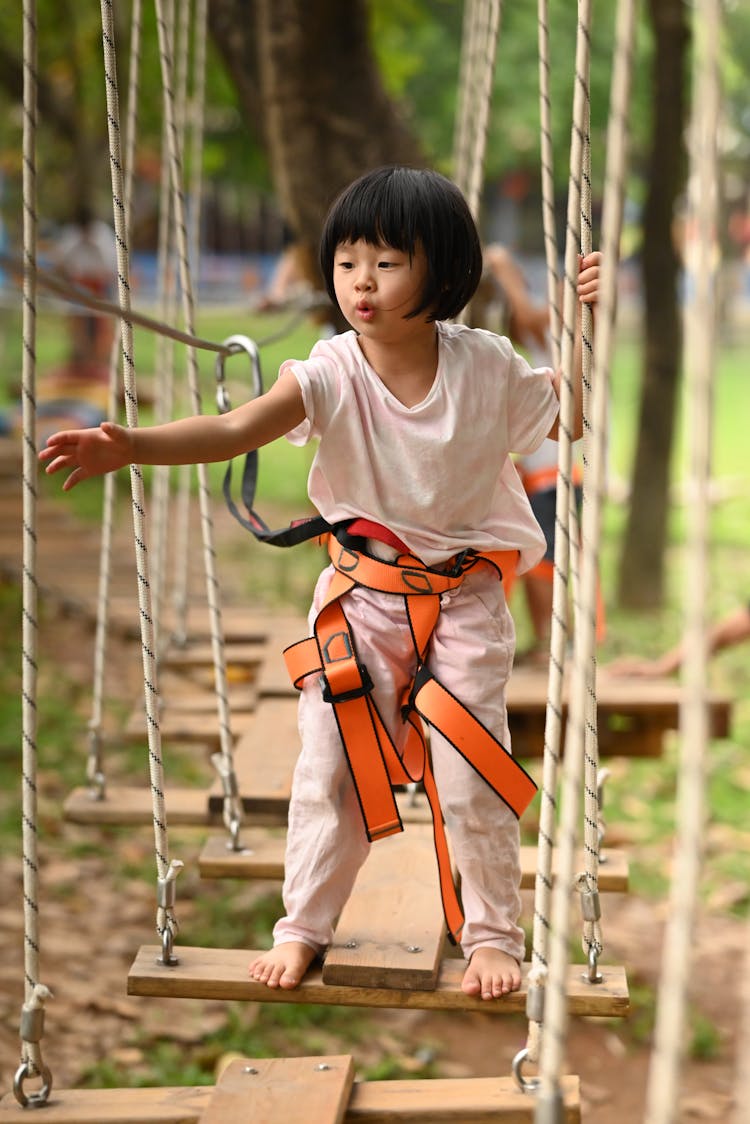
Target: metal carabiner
{"points": [[593, 975], [32, 1100], [233, 346], [525, 1084]]}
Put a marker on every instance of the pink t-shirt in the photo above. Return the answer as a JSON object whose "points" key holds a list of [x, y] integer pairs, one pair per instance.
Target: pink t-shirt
{"points": [[437, 474]]}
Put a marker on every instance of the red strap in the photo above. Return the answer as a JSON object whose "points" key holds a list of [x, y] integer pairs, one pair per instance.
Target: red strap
{"points": [[369, 530]]}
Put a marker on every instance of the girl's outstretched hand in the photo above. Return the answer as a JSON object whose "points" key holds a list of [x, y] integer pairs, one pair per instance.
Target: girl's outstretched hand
{"points": [[88, 452]]}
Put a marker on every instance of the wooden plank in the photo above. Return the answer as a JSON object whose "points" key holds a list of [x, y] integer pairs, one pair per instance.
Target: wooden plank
{"points": [[215, 973], [130, 806], [265, 778], [292, 1090], [478, 1100], [185, 726], [199, 653], [262, 857], [113, 1106], [399, 944]]}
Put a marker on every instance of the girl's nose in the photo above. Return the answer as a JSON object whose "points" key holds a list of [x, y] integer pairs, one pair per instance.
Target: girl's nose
{"points": [[363, 281]]}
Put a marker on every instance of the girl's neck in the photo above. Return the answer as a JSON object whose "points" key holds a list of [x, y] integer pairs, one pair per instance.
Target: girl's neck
{"points": [[406, 368]]}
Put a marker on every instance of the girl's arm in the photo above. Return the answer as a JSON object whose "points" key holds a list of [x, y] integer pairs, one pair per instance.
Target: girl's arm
{"points": [[588, 293], [195, 440]]}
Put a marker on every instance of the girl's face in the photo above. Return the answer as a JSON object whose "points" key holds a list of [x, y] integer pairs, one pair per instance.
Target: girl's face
{"points": [[377, 287]]}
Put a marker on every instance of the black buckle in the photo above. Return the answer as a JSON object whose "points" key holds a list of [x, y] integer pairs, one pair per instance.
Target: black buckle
{"points": [[345, 696]]}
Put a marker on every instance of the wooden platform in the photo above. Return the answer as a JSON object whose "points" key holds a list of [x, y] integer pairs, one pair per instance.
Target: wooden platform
{"points": [[480, 1100], [210, 973], [262, 858]]}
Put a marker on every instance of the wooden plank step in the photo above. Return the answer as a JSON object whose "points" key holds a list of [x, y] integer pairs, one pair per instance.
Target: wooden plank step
{"points": [[478, 1100], [292, 1090], [399, 943], [130, 806], [264, 778], [185, 726], [262, 857], [199, 653], [211, 973]]}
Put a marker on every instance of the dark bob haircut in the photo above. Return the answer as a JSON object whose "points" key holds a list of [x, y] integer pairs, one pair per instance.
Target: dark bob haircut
{"points": [[403, 208]]}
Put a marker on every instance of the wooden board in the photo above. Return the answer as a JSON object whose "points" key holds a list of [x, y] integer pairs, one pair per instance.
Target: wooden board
{"points": [[214, 973], [264, 757], [130, 806], [633, 714], [262, 857], [479, 1100], [399, 944], [186, 726], [292, 1090]]}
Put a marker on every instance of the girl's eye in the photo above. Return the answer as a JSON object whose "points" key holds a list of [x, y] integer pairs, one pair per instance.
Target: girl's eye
{"points": [[386, 264], [344, 264]]}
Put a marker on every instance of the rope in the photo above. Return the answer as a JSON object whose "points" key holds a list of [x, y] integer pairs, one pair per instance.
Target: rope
{"points": [[209, 555], [596, 447], [31, 1028], [558, 635], [181, 560], [49, 279], [480, 37], [549, 1103], [95, 767], [662, 1099], [548, 184], [585, 630], [166, 299], [166, 922]]}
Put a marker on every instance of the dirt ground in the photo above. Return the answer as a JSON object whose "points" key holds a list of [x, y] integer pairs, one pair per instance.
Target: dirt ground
{"points": [[94, 921]]}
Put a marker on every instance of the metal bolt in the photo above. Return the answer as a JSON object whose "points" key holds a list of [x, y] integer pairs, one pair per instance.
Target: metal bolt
{"points": [[322, 1066], [351, 944], [413, 948], [249, 1069]]}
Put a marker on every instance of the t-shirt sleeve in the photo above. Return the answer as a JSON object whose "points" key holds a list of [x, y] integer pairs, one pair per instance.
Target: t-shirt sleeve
{"points": [[532, 404], [320, 389]]}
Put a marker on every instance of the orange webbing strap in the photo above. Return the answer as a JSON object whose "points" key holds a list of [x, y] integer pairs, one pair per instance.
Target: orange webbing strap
{"points": [[373, 759]]}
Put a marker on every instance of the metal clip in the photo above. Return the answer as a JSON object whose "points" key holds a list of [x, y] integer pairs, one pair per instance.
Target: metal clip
{"points": [[234, 345]]}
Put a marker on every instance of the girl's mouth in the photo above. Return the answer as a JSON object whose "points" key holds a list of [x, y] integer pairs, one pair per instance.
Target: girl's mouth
{"points": [[365, 312]]}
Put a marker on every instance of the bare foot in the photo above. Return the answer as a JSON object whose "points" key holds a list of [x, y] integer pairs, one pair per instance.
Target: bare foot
{"points": [[491, 974], [283, 966]]}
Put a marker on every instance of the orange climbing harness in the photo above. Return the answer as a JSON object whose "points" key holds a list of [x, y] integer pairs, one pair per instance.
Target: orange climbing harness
{"points": [[375, 763]]}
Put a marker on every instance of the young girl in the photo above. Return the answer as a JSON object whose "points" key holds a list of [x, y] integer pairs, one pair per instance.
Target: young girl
{"points": [[416, 418]]}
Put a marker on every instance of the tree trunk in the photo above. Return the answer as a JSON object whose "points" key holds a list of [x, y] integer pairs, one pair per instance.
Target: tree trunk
{"points": [[642, 564], [325, 114]]}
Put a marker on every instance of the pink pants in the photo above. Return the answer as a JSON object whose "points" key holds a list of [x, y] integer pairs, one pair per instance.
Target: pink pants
{"points": [[471, 653]]}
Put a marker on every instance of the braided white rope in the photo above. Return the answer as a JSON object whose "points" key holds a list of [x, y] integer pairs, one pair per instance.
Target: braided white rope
{"points": [[586, 608], [548, 183], [166, 922], [166, 301], [558, 635], [35, 993], [549, 1097], [479, 50], [181, 557], [662, 1099], [209, 554], [95, 768], [596, 448]]}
